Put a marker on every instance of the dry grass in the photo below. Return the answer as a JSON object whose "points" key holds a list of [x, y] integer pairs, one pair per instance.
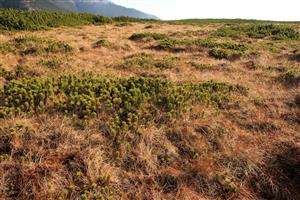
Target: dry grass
{"points": [[247, 149]]}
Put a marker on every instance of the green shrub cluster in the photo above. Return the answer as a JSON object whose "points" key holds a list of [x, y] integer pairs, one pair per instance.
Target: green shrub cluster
{"points": [[170, 43], [224, 45], [219, 50], [225, 54], [147, 61], [131, 19], [273, 31], [141, 36], [6, 48], [123, 24], [167, 44], [36, 45], [102, 43], [127, 101], [225, 50], [214, 92], [24, 96], [187, 33], [11, 19], [215, 21]]}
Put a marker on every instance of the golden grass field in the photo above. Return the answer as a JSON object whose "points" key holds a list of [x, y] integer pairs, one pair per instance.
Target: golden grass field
{"points": [[245, 149]]}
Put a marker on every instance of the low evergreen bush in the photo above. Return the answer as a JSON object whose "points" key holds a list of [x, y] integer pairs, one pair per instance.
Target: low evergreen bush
{"points": [[127, 101], [11, 19], [277, 32]]}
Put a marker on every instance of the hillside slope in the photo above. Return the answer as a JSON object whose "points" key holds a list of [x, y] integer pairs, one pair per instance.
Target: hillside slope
{"points": [[100, 7], [108, 8]]}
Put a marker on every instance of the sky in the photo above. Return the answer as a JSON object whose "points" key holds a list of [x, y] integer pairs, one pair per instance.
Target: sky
{"points": [[279, 10]]}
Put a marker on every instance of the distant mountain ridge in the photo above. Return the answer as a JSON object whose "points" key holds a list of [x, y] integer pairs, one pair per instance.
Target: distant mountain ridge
{"points": [[100, 7]]}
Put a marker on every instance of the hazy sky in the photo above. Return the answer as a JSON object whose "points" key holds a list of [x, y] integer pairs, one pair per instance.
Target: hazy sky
{"points": [[288, 10]]}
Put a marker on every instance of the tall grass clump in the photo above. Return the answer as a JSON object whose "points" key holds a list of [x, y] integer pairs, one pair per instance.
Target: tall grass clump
{"points": [[18, 73], [32, 45], [102, 43], [141, 36], [148, 61], [291, 77]]}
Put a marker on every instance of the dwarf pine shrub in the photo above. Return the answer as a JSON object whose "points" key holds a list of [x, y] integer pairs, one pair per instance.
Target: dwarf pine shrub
{"points": [[124, 99], [6, 48], [11, 19], [102, 43], [225, 54], [141, 36], [277, 32], [169, 44], [223, 45]]}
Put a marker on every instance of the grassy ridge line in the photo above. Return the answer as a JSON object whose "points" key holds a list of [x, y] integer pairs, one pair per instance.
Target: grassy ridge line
{"points": [[222, 21], [11, 19]]}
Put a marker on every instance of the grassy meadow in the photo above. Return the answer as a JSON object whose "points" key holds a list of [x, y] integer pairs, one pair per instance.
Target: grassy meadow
{"points": [[96, 108]]}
